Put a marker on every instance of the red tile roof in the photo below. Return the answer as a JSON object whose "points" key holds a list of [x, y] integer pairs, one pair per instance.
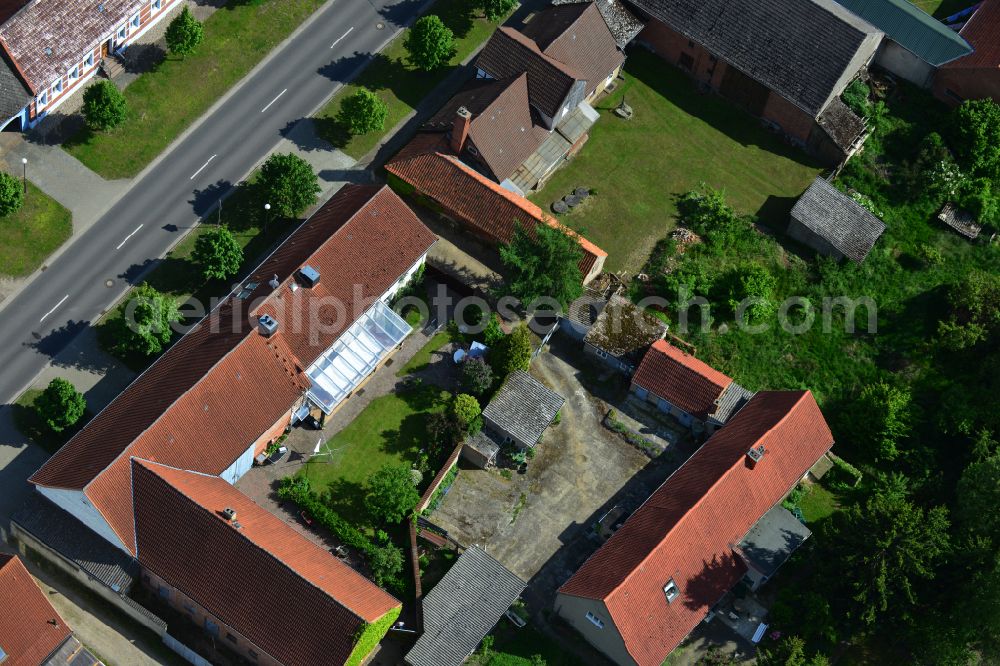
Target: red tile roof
{"points": [[982, 31], [222, 383], [30, 628], [577, 35], [288, 596], [491, 210], [681, 379], [688, 527]]}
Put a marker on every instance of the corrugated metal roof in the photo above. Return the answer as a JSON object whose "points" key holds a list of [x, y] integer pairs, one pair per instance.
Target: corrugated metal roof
{"points": [[911, 28]]}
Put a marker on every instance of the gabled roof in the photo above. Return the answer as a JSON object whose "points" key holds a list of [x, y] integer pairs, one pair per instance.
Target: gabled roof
{"points": [[834, 216], [47, 37], [577, 35], [225, 384], [502, 129], [30, 628], [620, 21], [14, 93], [981, 31], [288, 596], [463, 607], [798, 48], [912, 28], [508, 53], [491, 210], [681, 379], [524, 407], [688, 528]]}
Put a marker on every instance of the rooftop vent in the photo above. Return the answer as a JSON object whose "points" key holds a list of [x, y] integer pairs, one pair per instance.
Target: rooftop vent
{"points": [[310, 276], [267, 325], [275, 282], [755, 454], [229, 513]]}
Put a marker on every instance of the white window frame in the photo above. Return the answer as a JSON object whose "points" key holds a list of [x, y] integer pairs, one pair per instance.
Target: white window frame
{"points": [[156, 4], [136, 20], [57, 85], [671, 591], [594, 620], [123, 32], [42, 100], [89, 60], [74, 73]]}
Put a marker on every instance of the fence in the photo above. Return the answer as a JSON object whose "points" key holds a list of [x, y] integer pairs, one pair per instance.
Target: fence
{"points": [[436, 483]]}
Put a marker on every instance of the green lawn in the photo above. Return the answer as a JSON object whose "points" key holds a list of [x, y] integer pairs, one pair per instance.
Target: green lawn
{"points": [[164, 102], [515, 647], [422, 358], [389, 430], [398, 83], [30, 235], [818, 503], [677, 138]]}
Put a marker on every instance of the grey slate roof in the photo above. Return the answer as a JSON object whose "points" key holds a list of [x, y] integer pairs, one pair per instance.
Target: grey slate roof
{"points": [[841, 123], [731, 401], [462, 608], [622, 23], [485, 443], [773, 540], [798, 48], [913, 29], [14, 94], [66, 535], [833, 215], [524, 407]]}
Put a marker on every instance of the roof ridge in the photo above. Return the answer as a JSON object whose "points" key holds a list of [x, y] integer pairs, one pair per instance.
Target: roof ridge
{"points": [[147, 465], [701, 498]]}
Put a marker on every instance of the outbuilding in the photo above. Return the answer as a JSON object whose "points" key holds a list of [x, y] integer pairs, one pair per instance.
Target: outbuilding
{"points": [[834, 224], [522, 409]]}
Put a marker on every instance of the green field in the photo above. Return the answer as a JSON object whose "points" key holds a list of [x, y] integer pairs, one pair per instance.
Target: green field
{"points": [[677, 138], [942, 8], [164, 102], [398, 83], [30, 235]]}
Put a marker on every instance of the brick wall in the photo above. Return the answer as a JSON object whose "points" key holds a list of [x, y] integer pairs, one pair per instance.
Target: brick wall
{"points": [[273, 433], [966, 84], [679, 51], [795, 122]]}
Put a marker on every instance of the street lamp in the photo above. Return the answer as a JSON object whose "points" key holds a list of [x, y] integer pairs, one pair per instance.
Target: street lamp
{"points": [[24, 163], [267, 214]]}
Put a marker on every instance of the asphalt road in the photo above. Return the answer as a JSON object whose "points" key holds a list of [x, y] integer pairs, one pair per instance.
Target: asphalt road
{"points": [[188, 182]]}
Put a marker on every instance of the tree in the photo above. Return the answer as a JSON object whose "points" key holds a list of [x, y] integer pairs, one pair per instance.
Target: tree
{"points": [[218, 254], [430, 43], [975, 136], [881, 418], [543, 261], [467, 410], [513, 352], [756, 283], [978, 498], [288, 183], [363, 112], [790, 651], [145, 325], [390, 494], [477, 376], [493, 334], [104, 106], [974, 304], [495, 10], [386, 563], [184, 33], [885, 547], [11, 194], [60, 405], [444, 431]]}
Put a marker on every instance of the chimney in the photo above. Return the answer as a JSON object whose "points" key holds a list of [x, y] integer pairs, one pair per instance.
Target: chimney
{"points": [[754, 455], [229, 513], [267, 325], [309, 276], [460, 129]]}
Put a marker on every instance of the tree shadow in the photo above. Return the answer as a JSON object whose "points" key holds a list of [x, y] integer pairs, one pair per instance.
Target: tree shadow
{"points": [[346, 68], [136, 272], [457, 16], [355, 176], [776, 212], [143, 58], [207, 199], [398, 14], [57, 339], [347, 498], [705, 588], [59, 128]]}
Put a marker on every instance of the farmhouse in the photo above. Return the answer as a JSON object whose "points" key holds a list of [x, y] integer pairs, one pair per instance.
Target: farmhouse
{"points": [[694, 393], [833, 224], [473, 201], [306, 329], [638, 596], [791, 74], [50, 48], [977, 75]]}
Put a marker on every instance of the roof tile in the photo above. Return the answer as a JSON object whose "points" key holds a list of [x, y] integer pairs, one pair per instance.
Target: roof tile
{"points": [[681, 379]]}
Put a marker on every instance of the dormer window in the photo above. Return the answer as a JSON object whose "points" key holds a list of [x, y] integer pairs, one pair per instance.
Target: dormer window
{"points": [[157, 4], [74, 73], [57, 85], [671, 590], [123, 32], [135, 20], [43, 99], [89, 62]]}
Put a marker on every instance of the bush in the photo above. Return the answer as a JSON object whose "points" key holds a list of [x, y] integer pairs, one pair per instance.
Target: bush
{"points": [[145, 326], [857, 96], [497, 9], [477, 376], [466, 409], [184, 33], [977, 196], [430, 43], [512, 353], [444, 432], [363, 112], [217, 254], [288, 183], [975, 136], [390, 494], [60, 405], [11, 194], [493, 334], [104, 106], [753, 282]]}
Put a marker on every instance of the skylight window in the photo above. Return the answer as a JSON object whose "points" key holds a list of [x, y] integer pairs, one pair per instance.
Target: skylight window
{"points": [[671, 590]]}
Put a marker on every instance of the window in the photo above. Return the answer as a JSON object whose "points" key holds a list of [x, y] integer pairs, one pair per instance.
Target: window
{"points": [[671, 590], [89, 62], [253, 655], [43, 99], [189, 608], [157, 4], [211, 627], [123, 32], [596, 621], [687, 62], [164, 592], [74, 73], [57, 85], [231, 638], [135, 21]]}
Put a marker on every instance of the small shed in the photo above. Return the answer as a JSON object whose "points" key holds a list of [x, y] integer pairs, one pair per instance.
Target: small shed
{"points": [[622, 333], [462, 608], [833, 224], [522, 409], [481, 449], [960, 220]]}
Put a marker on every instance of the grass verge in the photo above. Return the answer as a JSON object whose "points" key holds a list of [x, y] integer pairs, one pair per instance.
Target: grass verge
{"points": [[422, 358], [30, 235], [398, 83], [164, 102]]}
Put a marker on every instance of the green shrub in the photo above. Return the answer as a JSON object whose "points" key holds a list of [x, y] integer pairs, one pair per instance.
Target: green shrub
{"points": [[363, 112], [857, 96], [184, 33], [466, 408], [11, 194], [430, 43], [104, 106], [60, 405]]}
